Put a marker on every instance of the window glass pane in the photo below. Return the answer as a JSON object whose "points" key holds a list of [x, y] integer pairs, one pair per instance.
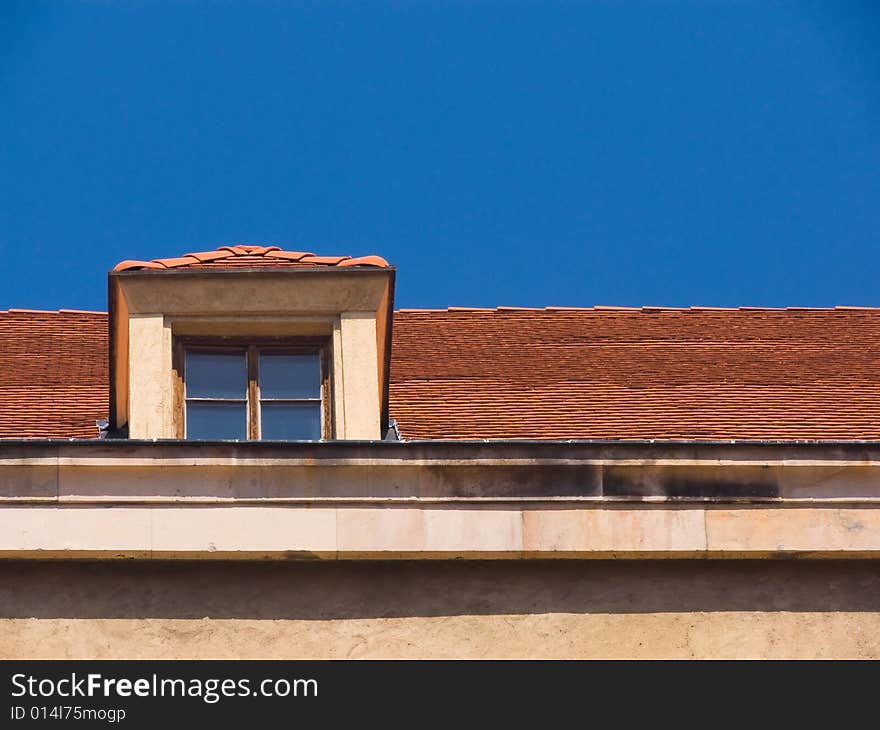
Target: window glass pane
{"points": [[216, 421], [290, 376], [216, 375], [290, 421]]}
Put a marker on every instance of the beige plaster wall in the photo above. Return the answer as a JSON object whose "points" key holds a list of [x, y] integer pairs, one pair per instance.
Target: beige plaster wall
{"points": [[266, 292], [562, 609], [150, 378], [360, 375]]}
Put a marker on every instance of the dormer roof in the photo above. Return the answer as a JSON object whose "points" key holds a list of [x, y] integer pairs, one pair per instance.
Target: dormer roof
{"points": [[252, 257]]}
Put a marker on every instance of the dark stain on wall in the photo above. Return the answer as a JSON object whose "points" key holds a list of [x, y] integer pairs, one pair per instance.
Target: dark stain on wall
{"points": [[340, 590]]}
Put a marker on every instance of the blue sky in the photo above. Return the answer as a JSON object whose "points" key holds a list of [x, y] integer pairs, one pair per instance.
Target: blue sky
{"points": [[498, 153]]}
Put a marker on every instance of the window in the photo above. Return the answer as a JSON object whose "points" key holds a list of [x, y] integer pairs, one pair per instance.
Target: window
{"points": [[268, 391]]}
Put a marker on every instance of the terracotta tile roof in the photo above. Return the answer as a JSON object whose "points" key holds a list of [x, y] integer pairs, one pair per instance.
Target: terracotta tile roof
{"points": [[53, 373], [247, 257], [651, 373], [555, 373]]}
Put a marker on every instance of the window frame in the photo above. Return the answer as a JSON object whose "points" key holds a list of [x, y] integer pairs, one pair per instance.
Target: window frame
{"points": [[252, 347]]}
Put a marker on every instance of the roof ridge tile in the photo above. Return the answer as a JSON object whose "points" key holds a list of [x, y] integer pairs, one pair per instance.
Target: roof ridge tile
{"points": [[176, 262], [252, 255], [370, 260], [206, 256], [290, 255], [235, 250], [328, 260]]}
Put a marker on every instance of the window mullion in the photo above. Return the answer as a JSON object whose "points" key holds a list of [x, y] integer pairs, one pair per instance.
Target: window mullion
{"points": [[326, 417], [253, 393]]}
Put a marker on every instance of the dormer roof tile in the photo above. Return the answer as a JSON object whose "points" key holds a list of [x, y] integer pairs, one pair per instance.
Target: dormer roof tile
{"points": [[241, 256]]}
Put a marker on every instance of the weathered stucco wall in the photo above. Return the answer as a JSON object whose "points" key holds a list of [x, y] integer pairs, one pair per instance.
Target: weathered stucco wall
{"points": [[552, 609], [325, 539]]}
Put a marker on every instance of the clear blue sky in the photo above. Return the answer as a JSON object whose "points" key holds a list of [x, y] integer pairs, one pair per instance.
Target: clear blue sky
{"points": [[498, 153]]}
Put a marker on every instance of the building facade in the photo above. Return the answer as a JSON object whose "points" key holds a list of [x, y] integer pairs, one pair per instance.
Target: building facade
{"points": [[253, 454]]}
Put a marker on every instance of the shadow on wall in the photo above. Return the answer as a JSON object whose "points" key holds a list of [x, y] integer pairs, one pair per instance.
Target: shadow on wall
{"points": [[345, 590]]}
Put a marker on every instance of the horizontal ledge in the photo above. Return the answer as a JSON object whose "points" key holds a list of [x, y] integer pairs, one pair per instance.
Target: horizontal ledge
{"points": [[667, 502], [439, 450], [390, 555], [145, 481], [182, 462], [407, 532]]}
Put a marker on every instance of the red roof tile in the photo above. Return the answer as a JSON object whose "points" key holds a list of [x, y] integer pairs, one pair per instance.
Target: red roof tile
{"points": [[235, 257], [53, 374], [363, 261], [637, 374], [703, 374]]}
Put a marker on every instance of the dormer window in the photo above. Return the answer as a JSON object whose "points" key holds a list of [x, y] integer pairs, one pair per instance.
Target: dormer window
{"points": [[241, 390], [251, 342]]}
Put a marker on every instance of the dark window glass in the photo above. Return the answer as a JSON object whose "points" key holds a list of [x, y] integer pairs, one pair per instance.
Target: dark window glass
{"points": [[216, 375], [217, 394], [290, 376], [216, 420], [290, 421]]}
